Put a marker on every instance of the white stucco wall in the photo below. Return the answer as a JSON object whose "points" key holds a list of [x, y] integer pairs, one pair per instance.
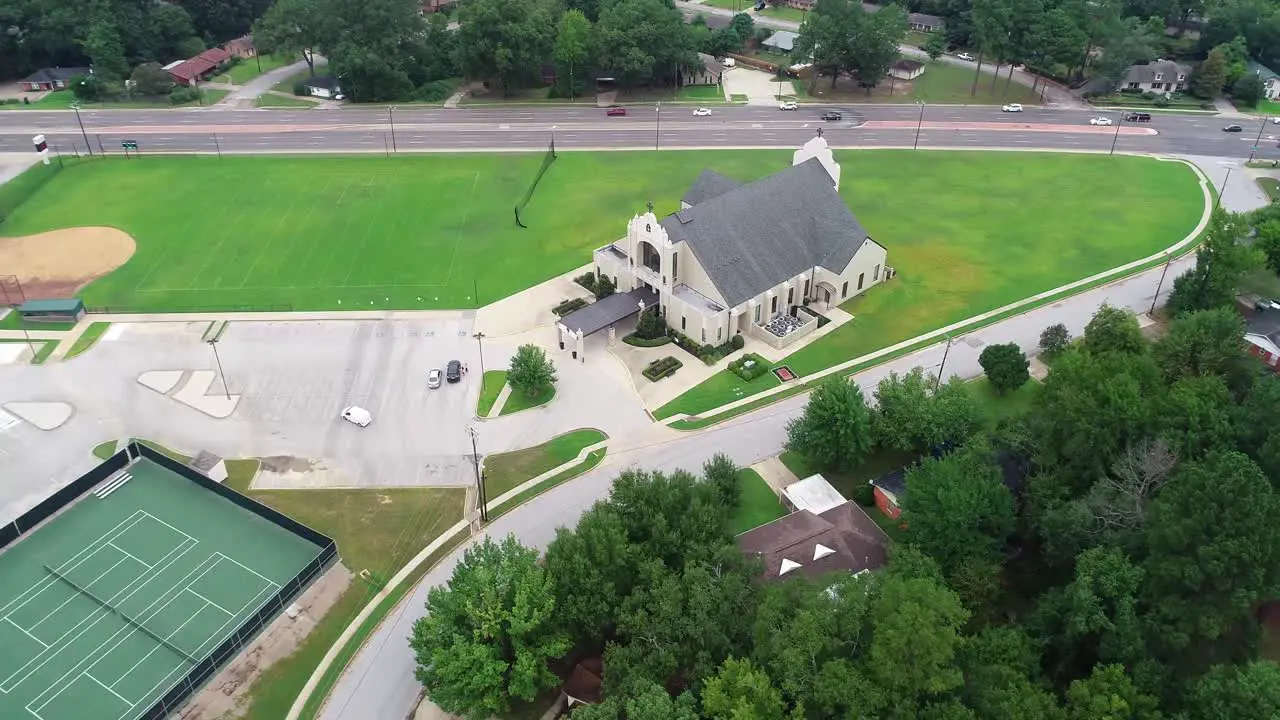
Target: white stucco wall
{"points": [[692, 274], [864, 263]]}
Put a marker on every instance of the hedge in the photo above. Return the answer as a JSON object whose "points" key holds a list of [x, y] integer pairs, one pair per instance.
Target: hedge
{"points": [[738, 367], [661, 368], [568, 306], [645, 342]]}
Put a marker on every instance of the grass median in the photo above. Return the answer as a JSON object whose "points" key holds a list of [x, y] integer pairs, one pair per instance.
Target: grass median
{"points": [[506, 471], [490, 387]]}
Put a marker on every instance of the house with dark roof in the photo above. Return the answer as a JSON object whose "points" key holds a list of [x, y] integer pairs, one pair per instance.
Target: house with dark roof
{"points": [[824, 534], [1161, 76], [890, 489], [1261, 329], [54, 78], [906, 69], [323, 86], [1270, 81], [241, 47], [921, 22], [751, 258]]}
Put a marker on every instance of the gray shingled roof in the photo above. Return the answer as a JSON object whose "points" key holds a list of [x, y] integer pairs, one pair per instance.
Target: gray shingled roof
{"points": [[1147, 73], [708, 185], [754, 237], [782, 40], [926, 20]]}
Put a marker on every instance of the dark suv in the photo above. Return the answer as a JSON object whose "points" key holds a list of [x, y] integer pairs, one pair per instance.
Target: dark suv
{"points": [[453, 371], [832, 115], [1137, 117]]}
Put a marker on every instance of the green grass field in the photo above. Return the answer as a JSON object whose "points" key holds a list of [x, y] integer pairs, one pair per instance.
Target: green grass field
{"points": [[504, 471], [416, 231], [248, 69], [757, 505], [284, 101], [491, 385], [87, 338], [940, 83], [1035, 222], [518, 400]]}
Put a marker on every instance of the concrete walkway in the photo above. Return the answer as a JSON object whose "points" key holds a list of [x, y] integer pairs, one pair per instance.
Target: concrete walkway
{"points": [[245, 96], [774, 473], [496, 409]]}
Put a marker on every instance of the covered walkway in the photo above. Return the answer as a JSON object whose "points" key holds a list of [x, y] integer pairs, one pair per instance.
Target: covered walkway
{"points": [[602, 314]]}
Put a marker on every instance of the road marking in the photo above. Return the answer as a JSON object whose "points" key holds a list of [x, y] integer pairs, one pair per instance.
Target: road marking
{"points": [[7, 421]]}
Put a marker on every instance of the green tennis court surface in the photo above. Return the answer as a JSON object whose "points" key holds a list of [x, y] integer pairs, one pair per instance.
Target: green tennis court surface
{"points": [[112, 602]]}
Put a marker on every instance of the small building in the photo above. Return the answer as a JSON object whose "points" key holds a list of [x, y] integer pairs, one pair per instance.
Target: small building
{"points": [[213, 466], [813, 493], [1261, 330], [585, 684], [924, 23], [889, 491], [782, 41], [431, 6], [323, 86], [906, 69], [1161, 76], [52, 310], [191, 71], [54, 78], [1270, 81], [242, 47], [842, 538]]}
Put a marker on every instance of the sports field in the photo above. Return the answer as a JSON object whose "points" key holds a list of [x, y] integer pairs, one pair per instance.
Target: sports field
{"points": [[114, 601], [416, 231]]}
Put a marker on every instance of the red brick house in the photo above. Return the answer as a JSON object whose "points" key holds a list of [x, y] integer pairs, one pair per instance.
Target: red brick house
{"points": [[1262, 330], [242, 47], [201, 67], [54, 78]]}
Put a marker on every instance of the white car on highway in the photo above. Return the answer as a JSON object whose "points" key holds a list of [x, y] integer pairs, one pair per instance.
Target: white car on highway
{"points": [[1100, 121], [1011, 107], [789, 105], [702, 112], [357, 415]]}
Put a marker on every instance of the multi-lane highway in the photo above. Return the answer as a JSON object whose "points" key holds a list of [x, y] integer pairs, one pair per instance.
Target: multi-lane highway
{"points": [[416, 129]]}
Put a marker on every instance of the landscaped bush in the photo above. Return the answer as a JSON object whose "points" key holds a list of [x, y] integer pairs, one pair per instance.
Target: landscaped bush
{"points": [[632, 339], [709, 354], [568, 306], [759, 366], [737, 342], [300, 89], [661, 368], [604, 287], [183, 95], [587, 280], [438, 90], [650, 326]]}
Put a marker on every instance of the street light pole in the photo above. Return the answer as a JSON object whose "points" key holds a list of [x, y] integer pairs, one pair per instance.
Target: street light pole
{"points": [[480, 344], [1116, 136], [916, 145], [76, 106], [1218, 203], [225, 390], [482, 500], [391, 116], [937, 381], [1261, 126], [658, 128], [1160, 284]]}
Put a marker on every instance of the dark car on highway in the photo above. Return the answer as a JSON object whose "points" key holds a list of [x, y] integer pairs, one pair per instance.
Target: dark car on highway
{"points": [[613, 112], [1137, 117], [832, 115], [453, 371], [1233, 128]]}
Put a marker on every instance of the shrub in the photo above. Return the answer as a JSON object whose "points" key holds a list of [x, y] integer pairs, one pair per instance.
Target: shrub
{"points": [[587, 280], [758, 366], [1054, 339], [1005, 366], [437, 90], [568, 306], [661, 368], [737, 342], [635, 341], [1161, 101], [604, 287], [300, 89], [183, 95], [650, 326]]}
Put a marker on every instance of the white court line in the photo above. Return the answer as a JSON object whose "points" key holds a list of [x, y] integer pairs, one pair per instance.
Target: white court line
{"points": [[151, 652], [49, 580], [104, 687], [24, 631], [90, 657], [246, 567], [209, 602], [100, 613], [230, 619], [126, 552], [153, 517], [77, 594]]}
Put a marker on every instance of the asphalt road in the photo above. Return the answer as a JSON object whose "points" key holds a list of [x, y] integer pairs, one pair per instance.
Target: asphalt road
{"points": [[531, 128]]}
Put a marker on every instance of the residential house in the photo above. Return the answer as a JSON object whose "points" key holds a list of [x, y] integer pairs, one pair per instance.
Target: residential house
{"points": [[585, 684], [323, 86], [1161, 76], [201, 67], [906, 69], [890, 489], [242, 47], [54, 78], [1262, 330], [782, 41], [431, 6], [763, 258], [924, 23], [1270, 81], [825, 533]]}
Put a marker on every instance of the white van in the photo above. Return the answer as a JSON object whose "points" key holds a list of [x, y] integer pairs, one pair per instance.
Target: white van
{"points": [[357, 415], [729, 62]]}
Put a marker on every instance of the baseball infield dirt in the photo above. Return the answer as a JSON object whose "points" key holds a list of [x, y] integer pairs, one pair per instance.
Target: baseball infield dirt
{"points": [[58, 264]]}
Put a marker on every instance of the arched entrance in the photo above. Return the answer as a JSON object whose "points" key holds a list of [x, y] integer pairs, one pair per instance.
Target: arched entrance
{"points": [[650, 257], [825, 296]]}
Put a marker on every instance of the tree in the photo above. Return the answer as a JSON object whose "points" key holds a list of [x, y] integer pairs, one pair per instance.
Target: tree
{"points": [[741, 691], [149, 79], [488, 634], [105, 49], [955, 414], [1209, 77], [1211, 552], [1205, 342], [1109, 694], [1005, 367], [222, 20], [835, 429], [1118, 503], [292, 27], [936, 46], [592, 569], [875, 39], [1228, 692], [650, 326], [721, 473], [1000, 666], [604, 287], [1254, 424], [504, 41], [912, 417], [531, 370], [826, 35], [906, 664], [646, 700], [373, 46], [1268, 241], [1221, 262], [958, 507], [672, 517], [1055, 339], [1113, 329], [573, 53], [1196, 416], [647, 41], [1247, 89]]}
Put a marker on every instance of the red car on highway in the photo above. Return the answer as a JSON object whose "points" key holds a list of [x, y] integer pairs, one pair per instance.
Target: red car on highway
{"points": [[613, 112]]}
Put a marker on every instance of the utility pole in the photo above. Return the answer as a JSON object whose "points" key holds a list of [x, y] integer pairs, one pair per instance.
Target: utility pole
{"points": [[1261, 126], [1218, 203], [1116, 136], [1160, 285], [76, 106], [391, 117], [225, 391], [937, 381], [916, 145], [658, 129], [482, 500], [480, 343]]}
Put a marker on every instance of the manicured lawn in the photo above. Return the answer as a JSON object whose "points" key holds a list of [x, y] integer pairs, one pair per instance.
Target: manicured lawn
{"points": [[490, 386], [940, 83], [62, 100], [505, 471], [247, 69], [87, 338], [710, 93], [518, 400], [13, 321], [780, 12], [734, 5], [592, 459], [104, 450], [1270, 186], [286, 101], [758, 504], [998, 407], [962, 248]]}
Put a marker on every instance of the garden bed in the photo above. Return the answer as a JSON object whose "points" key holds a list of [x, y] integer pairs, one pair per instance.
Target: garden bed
{"points": [[568, 306], [749, 367], [661, 368]]}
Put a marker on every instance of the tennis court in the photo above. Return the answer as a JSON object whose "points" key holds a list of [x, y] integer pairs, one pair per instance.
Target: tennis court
{"points": [[114, 601]]}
